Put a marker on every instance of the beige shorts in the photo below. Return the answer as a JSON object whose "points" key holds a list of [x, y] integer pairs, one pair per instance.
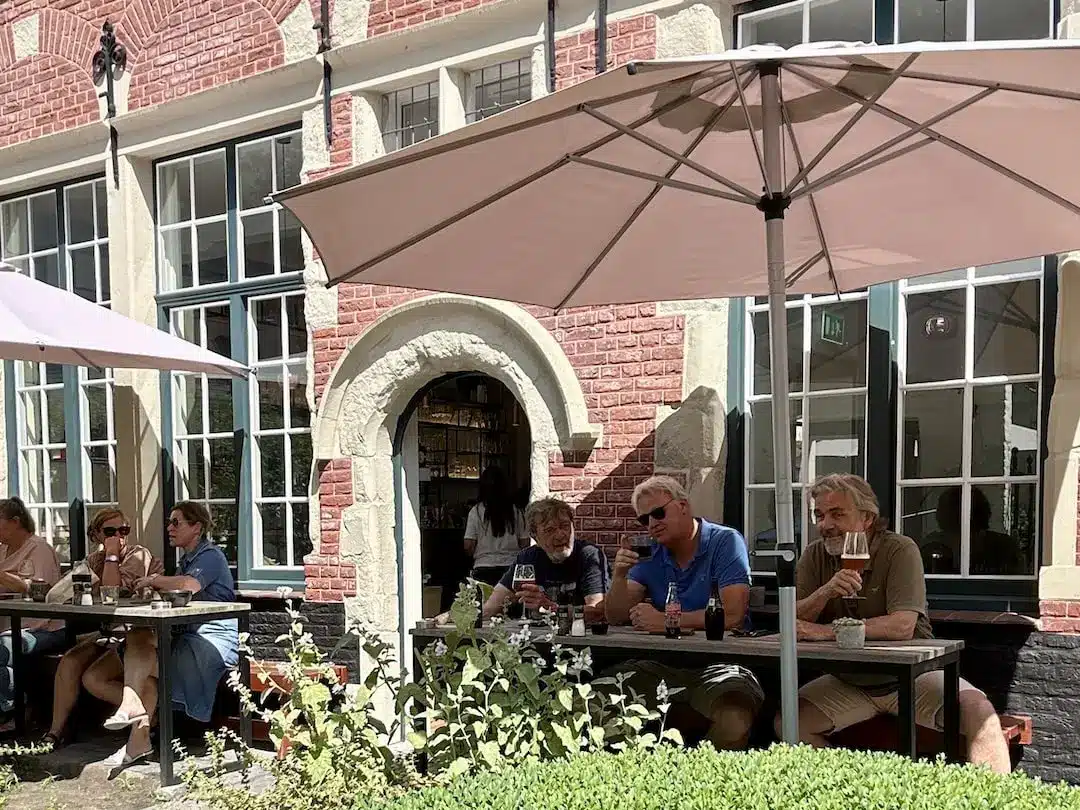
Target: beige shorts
{"points": [[846, 705]]}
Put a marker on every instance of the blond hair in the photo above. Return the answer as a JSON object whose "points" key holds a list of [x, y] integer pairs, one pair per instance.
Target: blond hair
{"points": [[856, 488], [659, 484]]}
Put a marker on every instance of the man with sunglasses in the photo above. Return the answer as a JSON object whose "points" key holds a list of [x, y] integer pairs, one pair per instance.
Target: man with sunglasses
{"points": [[696, 555]]}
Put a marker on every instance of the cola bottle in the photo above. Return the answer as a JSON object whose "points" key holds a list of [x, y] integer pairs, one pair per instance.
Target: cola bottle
{"points": [[714, 616], [673, 613]]}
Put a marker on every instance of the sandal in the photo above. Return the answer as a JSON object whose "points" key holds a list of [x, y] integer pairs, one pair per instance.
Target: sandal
{"points": [[53, 741], [121, 720]]}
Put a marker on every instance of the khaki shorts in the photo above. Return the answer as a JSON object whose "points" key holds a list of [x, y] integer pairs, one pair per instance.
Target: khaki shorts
{"points": [[705, 690], [846, 705]]}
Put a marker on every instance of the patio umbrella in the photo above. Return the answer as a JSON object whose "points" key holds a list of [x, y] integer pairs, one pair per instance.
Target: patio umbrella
{"points": [[39, 322], [866, 164]]}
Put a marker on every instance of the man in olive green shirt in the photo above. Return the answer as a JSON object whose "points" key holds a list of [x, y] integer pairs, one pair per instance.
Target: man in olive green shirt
{"points": [[893, 605]]}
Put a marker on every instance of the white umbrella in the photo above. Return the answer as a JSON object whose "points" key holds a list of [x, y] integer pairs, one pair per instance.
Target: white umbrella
{"points": [[868, 164], [39, 322]]}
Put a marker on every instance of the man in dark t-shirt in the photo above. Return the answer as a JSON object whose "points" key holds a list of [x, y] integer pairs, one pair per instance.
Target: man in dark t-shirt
{"points": [[557, 559]]}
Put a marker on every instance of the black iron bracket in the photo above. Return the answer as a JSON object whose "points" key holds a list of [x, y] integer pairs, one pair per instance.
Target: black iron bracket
{"points": [[325, 44], [549, 44], [601, 36], [109, 61]]}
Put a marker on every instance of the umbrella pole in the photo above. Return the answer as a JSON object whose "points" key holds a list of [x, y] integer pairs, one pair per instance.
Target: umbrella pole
{"points": [[773, 205]]}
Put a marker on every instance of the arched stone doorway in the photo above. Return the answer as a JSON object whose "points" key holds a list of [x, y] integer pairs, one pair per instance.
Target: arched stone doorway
{"points": [[360, 421]]}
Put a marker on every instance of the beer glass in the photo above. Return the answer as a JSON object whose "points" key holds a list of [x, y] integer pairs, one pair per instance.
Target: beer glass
{"points": [[524, 574], [856, 554]]}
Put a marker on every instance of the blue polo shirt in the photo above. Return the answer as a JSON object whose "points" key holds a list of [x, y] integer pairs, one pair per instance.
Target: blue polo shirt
{"points": [[721, 558]]}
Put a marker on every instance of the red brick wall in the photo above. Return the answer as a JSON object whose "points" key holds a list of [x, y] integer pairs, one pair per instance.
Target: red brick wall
{"points": [[326, 577], [385, 16], [627, 40]]}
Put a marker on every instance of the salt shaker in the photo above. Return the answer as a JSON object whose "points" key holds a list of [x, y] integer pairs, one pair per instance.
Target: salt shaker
{"points": [[578, 627]]}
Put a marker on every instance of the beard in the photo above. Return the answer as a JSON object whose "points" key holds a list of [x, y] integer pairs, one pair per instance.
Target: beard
{"points": [[561, 555], [834, 544]]}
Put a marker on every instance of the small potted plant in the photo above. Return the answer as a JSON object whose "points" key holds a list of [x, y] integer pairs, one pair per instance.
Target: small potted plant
{"points": [[850, 633]]}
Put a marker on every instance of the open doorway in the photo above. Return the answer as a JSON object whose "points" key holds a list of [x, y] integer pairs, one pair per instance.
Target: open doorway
{"points": [[465, 423]]}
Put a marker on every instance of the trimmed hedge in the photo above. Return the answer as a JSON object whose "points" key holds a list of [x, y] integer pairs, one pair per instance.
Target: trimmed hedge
{"points": [[780, 778]]}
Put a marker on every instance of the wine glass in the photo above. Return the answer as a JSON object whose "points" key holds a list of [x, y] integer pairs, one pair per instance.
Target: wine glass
{"points": [[856, 554], [26, 574]]}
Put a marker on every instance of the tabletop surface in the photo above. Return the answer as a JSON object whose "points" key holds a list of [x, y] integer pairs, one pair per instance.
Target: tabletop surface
{"points": [[875, 652], [125, 610]]}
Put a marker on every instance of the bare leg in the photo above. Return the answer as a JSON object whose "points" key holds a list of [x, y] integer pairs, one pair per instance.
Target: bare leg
{"points": [[981, 726], [69, 674], [104, 678], [814, 725], [139, 736], [140, 664], [732, 718]]}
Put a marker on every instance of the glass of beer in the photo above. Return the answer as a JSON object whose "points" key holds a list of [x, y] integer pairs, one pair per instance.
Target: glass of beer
{"points": [[856, 554], [524, 574]]}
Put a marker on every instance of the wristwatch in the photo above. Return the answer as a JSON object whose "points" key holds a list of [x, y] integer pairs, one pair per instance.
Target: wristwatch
{"points": [[112, 558]]}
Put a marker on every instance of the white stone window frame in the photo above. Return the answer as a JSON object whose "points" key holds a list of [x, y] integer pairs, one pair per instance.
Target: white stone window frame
{"points": [[190, 224], [804, 401], [283, 368], [516, 68], [968, 279], [804, 7], [280, 213], [398, 135]]}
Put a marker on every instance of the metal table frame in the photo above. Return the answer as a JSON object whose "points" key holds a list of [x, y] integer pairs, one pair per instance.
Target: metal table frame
{"points": [[904, 660], [161, 621]]}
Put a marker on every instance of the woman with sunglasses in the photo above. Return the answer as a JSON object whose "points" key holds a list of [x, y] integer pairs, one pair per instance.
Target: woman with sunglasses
{"points": [[114, 561]]}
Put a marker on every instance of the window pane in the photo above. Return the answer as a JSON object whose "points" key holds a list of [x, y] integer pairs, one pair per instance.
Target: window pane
{"points": [[54, 374], [80, 213], [842, 20], [31, 403], [174, 193], [47, 269], [1014, 19], [218, 330], [290, 160], [60, 534], [188, 404], [836, 443], [268, 328], [1004, 432], [931, 517], [84, 273], [935, 336], [34, 475], [782, 26], [761, 448], [761, 525], [298, 337], [98, 412], [256, 180], [299, 410], [221, 405], [192, 469], [103, 267], [1003, 518], [176, 270], [922, 20], [933, 433], [101, 474], [101, 201], [58, 487], [292, 248], [1007, 326], [272, 465], [224, 517], [271, 400], [938, 278], [213, 253], [762, 378], [16, 223], [54, 400], [43, 219], [275, 543], [222, 469], [209, 184], [259, 244], [838, 346], [301, 533], [301, 464], [1034, 265]]}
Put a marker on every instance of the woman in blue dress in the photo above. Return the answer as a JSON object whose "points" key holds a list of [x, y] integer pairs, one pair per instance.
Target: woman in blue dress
{"points": [[201, 653]]}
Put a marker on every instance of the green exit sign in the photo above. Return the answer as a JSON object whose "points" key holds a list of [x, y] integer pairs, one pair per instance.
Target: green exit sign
{"points": [[832, 328]]}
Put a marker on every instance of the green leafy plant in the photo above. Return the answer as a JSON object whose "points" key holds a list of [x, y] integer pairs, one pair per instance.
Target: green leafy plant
{"points": [[492, 700], [780, 778], [8, 783]]}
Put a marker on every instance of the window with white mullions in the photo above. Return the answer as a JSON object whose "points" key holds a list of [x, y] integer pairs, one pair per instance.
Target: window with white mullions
{"points": [[491, 90], [282, 452], [269, 234], [969, 417], [794, 23], [192, 208], [827, 370], [960, 20], [410, 116], [205, 457]]}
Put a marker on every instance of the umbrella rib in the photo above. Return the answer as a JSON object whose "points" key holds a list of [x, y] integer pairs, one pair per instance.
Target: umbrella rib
{"points": [[956, 146], [753, 140], [810, 197], [671, 153], [844, 130], [682, 185], [803, 268], [661, 183], [506, 191]]}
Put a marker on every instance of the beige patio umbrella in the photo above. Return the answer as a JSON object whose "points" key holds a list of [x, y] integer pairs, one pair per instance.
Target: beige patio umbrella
{"points": [[866, 164]]}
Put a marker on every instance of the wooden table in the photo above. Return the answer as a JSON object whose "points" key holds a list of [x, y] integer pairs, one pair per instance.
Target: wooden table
{"points": [[161, 620], [904, 660]]}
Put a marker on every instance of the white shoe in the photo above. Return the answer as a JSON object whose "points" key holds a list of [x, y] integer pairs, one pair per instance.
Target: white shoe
{"points": [[121, 759], [122, 720]]}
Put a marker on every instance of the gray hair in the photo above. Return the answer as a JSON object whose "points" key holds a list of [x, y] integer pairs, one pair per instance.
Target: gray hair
{"points": [[856, 488], [544, 510], [659, 484]]}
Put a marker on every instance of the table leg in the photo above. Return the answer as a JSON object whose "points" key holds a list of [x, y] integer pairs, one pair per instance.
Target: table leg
{"points": [[18, 675], [952, 712], [905, 715], [243, 626], [164, 661]]}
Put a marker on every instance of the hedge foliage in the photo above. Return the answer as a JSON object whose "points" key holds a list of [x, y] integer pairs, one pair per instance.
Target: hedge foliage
{"points": [[780, 778]]}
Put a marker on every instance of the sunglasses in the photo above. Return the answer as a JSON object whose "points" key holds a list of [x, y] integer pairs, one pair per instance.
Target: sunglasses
{"points": [[174, 522], [656, 514], [112, 531]]}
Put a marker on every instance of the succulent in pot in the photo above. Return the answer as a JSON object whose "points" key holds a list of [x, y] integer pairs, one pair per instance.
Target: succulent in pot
{"points": [[850, 633]]}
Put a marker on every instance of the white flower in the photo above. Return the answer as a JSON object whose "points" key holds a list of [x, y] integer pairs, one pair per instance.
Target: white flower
{"points": [[440, 648], [284, 591], [662, 692]]}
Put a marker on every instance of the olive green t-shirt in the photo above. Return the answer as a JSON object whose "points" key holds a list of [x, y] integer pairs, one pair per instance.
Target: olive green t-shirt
{"points": [[892, 581]]}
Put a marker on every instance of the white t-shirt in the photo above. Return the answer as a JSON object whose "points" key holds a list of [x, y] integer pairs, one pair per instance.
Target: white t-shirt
{"points": [[492, 551]]}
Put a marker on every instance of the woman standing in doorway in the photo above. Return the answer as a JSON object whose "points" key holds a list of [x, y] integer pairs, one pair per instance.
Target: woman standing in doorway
{"points": [[495, 530]]}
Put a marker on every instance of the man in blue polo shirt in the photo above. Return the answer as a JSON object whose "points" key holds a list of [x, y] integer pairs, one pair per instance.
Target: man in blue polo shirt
{"points": [[696, 555]]}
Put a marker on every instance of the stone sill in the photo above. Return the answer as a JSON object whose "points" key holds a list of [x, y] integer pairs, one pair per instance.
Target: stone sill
{"points": [[949, 616], [265, 596]]}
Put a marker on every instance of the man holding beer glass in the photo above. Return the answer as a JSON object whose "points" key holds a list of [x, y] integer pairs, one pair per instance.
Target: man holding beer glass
{"points": [[858, 568]]}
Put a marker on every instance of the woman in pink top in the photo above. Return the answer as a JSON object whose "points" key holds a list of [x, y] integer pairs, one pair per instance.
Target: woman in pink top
{"points": [[24, 556]]}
